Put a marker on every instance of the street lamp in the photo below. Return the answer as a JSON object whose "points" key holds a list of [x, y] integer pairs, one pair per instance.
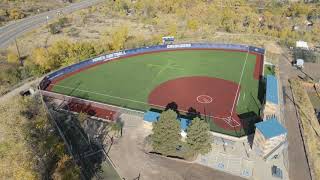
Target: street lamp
{"points": [[47, 20]]}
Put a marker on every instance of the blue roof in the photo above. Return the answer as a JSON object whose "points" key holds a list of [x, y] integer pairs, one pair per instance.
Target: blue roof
{"points": [[184, 123], [272, 89], [270, 128], [151, 116]]}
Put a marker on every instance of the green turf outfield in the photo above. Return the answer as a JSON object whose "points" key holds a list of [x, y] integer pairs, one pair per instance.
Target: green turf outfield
{"points": [[127, 82], [269, 70]]}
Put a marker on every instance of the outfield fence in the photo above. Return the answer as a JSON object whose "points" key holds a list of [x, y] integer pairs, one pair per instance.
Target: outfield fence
{"points": [[130, 52]]}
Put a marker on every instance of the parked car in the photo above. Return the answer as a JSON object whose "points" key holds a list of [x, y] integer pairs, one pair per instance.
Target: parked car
{"points": [[276, 172]]}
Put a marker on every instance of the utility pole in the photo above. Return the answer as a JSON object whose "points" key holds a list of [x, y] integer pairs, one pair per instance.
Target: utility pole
{"points": [[47, 21], [18, 51]]}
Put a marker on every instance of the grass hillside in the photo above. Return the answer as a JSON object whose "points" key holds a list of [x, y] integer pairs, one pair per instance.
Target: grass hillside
{"points": [[310, 126]]}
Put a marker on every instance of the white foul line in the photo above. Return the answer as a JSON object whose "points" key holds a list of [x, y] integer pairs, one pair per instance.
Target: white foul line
{"points": [[101, 94]]}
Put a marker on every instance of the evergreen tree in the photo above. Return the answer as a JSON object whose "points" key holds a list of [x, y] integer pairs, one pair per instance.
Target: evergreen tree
{"points": [[166, 133], [198, 137]]}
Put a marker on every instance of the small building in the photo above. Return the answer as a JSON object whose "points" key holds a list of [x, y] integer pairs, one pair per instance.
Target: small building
{"points": [[270, 138], [167, 40], [299, 63], [302, 45], [27, 92], [271, 108], [309, 23]]}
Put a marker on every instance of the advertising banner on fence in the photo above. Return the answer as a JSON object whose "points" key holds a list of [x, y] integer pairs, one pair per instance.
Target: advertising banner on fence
{"points": [[107, 57]]}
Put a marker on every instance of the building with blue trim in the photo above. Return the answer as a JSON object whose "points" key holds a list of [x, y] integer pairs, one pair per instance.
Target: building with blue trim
{"points": [[269, 136], [151, 116], [271, 108], [272, 89]]}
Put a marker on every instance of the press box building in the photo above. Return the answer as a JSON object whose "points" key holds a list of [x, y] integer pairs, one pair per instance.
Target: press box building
{"points": [[269, 139]]}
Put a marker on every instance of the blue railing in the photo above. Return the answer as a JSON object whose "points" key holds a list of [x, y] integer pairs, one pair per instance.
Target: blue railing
{"points": [[129, 52]]}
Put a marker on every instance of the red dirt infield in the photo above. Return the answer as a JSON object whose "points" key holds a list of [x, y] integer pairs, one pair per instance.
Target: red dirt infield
{"points": [[208, 95]]}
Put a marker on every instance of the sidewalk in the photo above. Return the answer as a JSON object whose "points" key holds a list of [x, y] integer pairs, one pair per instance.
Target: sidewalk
{"points": [[241, 161], [298, 166]]}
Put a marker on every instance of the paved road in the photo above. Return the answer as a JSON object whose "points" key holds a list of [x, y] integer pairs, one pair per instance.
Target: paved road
{"points": [[15, 29], [298, 166]]}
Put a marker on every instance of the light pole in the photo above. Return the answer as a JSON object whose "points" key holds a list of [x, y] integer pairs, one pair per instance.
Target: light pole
{"points": [[47, 21], [18, 51]]}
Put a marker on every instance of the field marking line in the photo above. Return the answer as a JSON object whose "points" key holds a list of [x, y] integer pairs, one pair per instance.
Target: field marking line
{"points": [[204, 99], [226, 120], [167, 66], [87, 91], [235, 98], [163, 68]]}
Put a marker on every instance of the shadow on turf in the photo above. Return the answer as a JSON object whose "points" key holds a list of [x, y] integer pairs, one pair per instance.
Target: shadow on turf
{"points": [[262, 90], [189, 116], [248, 121]]}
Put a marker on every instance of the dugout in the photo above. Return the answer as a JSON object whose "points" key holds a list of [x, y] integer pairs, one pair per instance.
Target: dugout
{"points": [[151, 116], [271, 108]]}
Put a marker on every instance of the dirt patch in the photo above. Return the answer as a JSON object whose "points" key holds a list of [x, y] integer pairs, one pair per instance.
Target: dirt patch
{"points": [[91, 110], [272, 47]]}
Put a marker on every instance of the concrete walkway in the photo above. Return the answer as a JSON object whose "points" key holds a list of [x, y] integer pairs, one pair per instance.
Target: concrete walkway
{"points": [[298, 166], [130, 159], [240, 160], [17, 90]]}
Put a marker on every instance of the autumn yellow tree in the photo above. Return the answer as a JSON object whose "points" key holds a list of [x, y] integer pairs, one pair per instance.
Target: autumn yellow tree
{"points": [[16, 13], [66, 169], [193, 24], [41, 58], [12, 57], [118, 38]]}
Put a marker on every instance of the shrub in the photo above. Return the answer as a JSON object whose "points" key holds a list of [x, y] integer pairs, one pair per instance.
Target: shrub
{"points": [[193, 24], [56, 27], [16, 14], [166, 133], [118, 38], [12, 57], [198, 137]]}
